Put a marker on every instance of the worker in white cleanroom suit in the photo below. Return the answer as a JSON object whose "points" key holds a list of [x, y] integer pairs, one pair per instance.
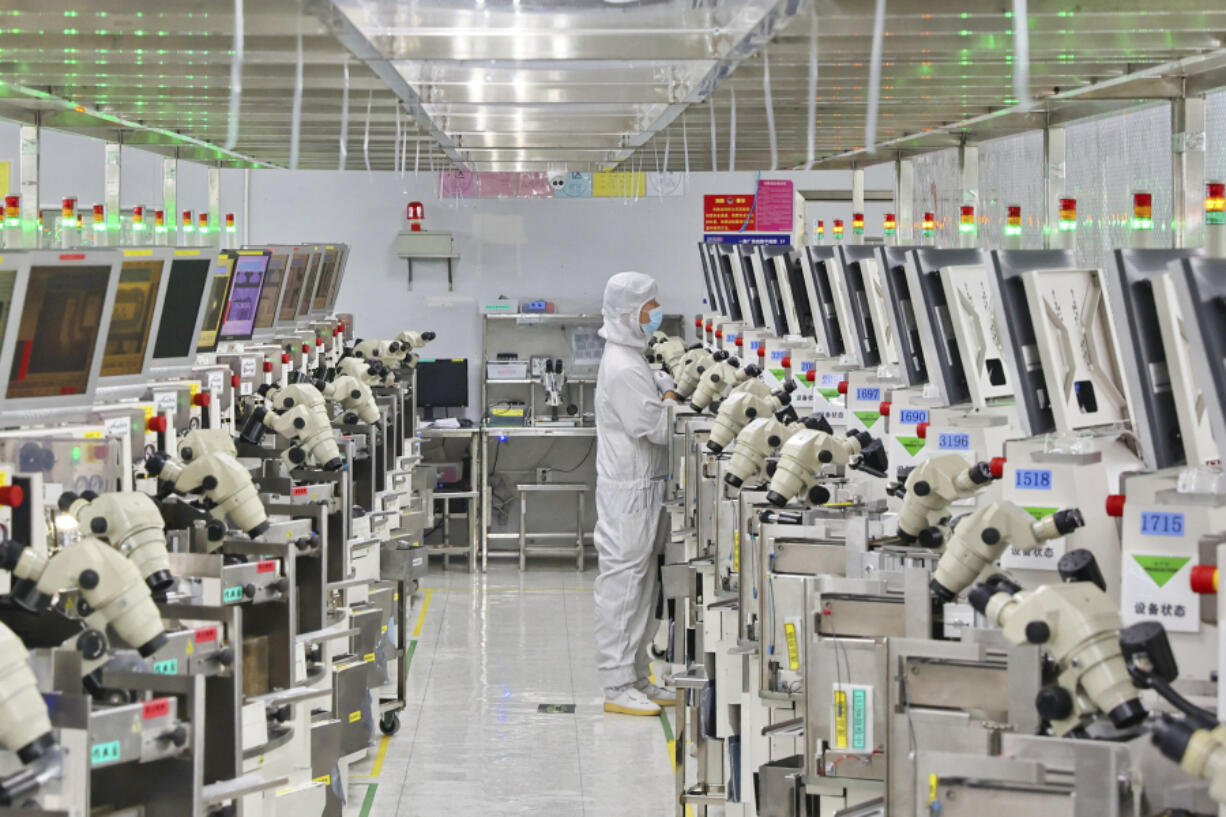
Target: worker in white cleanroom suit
{"points": [[632, 427]]}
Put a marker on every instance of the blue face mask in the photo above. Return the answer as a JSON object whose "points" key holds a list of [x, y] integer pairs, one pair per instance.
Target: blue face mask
{"points": [[654, 318]]}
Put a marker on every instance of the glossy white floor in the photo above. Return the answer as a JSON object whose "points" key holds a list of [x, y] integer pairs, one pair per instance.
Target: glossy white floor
{"points": [[490, 650]]}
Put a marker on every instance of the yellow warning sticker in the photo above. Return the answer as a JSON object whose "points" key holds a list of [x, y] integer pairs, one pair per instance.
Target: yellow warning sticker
{"points": [[789, 632], [933, 782], [325, 779], [92, 435], [354, 717], [736, 551], [370, 656], [840, 719]]}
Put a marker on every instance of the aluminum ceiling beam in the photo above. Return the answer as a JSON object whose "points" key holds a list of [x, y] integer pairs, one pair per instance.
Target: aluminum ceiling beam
{"points": [[361, 48]]}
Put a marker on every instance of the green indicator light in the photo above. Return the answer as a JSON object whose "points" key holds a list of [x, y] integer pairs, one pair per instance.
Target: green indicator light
{"points": [[1215, 217], [187, 228], [1068, 226], [1142, 224], [138, 227], [966, 228], [76, 453], [159, 229], [1013, 231], [12, 222]]}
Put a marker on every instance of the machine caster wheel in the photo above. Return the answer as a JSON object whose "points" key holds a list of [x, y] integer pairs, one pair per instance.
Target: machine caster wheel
{"points": [[389, 724]]}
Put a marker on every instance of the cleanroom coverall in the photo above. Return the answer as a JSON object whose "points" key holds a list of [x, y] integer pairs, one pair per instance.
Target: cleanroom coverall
{"points": [[631, 464]]}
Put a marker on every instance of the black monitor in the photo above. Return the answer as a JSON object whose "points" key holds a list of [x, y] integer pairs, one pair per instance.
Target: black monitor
{"points": [[756, 319], [724, 255], [442, 383], [893, 262], [940, 344], [800, 299], [851, 256], [178, 327], [821, 258], [327, 276]]}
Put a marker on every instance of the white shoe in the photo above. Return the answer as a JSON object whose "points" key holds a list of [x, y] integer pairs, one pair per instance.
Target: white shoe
{"points": [[661, 696], [629, 701]]}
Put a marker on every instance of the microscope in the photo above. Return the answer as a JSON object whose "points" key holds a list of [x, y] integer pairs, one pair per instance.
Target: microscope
{"points": [[208, 465], [1200, 750], [979, 539], [369, 372], [411, 341], [690, 369], [553, 381], [112, 589], [25, 726], [717, 379], [936, 483], [755, 444], [353, 396], [132, 523], [748, 401], [297, 414], [1078, 626], [806, 453], [665, 351]]}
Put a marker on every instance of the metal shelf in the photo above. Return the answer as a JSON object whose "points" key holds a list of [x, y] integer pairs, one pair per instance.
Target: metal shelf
{"points": [[541, 317]]}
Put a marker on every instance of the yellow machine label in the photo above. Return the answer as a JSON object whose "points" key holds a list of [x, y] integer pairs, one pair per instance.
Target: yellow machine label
{"points": [[789, 632], [92, 435], [370, 656], [736, 551], [933, 782], [326, 779], [840, 719], [354, 717]]}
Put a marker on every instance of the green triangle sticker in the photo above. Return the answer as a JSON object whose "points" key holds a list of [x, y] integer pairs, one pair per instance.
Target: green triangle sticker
{"points": [[779, 374], [912, 444], [1039, 513], [829, 394], [1161, 568], [868, 417]]}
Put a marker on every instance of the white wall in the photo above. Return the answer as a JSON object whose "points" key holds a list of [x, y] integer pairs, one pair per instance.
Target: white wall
{"points": [[559, 249]]}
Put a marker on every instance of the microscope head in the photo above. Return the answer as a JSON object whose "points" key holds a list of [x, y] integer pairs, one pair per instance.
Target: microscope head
{"points": [[204, 468], [806, 455], [201, 442], [755, 443], [25, 727], [354, 397], [131, 522], [735, 412], [361, 369], [410, 340], [666, 352], [716, 380], [690, 370], [979, 539], [297, 413], [1078, 625], [368, 350], [933, 485]]}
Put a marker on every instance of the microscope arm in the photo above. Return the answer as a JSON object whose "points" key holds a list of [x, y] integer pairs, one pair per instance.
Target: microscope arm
{"points": [[933, 485]]}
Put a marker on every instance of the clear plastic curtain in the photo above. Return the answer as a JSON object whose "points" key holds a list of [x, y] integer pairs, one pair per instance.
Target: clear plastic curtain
{"points": [[344, 151], [236, 78], [811, 149], [874, 79], [770, 109], [296, 117]]}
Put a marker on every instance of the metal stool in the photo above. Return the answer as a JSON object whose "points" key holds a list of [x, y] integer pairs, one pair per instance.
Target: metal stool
{"points": [[525, 490]]}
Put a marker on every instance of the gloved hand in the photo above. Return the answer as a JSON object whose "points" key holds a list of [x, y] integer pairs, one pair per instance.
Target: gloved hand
{"points": [[664, 381]]}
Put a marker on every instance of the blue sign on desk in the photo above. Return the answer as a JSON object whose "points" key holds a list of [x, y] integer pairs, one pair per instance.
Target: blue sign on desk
{"points": [[749, 238]]}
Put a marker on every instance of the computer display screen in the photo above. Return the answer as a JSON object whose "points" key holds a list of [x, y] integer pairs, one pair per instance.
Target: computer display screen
{"points": [[442, 383], [239, 320], [312, 279], [58, 330], [266, 313], [342, 259], [219, 287], [184, 292], [131, 317], [293, 286], [326, 276]]}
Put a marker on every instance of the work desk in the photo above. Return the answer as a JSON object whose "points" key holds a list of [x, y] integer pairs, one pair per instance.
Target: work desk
{"points": [[498, 434], [475, 522]]}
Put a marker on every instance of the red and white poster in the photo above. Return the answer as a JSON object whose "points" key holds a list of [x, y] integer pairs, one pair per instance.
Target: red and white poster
{"points": [[727, 214], [770, 211]]}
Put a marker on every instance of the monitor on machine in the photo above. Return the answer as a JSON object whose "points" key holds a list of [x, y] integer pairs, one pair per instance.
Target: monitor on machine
{"points": [[183, 308], [238, 322], [270, 292], [311, 282], [219, 289], [442, 383], [327, 278], [342, 262], [61, 310], [299, 260], [137, 304]]}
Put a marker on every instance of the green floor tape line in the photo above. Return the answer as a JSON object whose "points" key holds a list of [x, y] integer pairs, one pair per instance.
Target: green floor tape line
{"points": [[668, 727], [408, 656], [369, 802]]}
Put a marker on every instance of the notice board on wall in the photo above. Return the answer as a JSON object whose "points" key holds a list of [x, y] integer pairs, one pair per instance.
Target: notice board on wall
{"points": [[767, 211]]}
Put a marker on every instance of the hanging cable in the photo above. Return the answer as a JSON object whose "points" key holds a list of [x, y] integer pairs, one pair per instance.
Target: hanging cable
{"points": [[732, 133], [396, 143], [417, 156], [296, 118], [811, 150], [344, 153], [236, 78], [370, 99], [685, 147], [404, 150], [1021, 53], [874, 79], [770, 109], [714, 152]]}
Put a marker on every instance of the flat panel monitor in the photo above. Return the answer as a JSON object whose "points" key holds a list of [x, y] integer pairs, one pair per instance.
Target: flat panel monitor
{"points": [[295, 279], [218, 293], [749, 280], [936, 329], [715, 299], [342, 263], [851, 257], [270, 292], [311, 282], [1131, 284], [796, 284], [830, 333], [183, 308], [329, 268], [725, 257], [902, 306], [54, 343], [1200, 284], [238, 322], [1021, 344], [777, 301], [127, 351], [442, 383]]}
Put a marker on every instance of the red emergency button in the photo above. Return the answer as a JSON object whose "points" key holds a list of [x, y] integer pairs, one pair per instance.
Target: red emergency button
{"points": [[996, 466], [234, 381], [740, 341], [786, 363], [268, 365], [1203, 579], [285, 357], [811, 375], [698, 323], [340, 327], [336, 332], [156, 424], [1115, 504], [884, 408], [12, 496], [921, 430], [709, 325], [719, 333], [306, 349], [318, 341], [842, 387], [202, 399]]}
